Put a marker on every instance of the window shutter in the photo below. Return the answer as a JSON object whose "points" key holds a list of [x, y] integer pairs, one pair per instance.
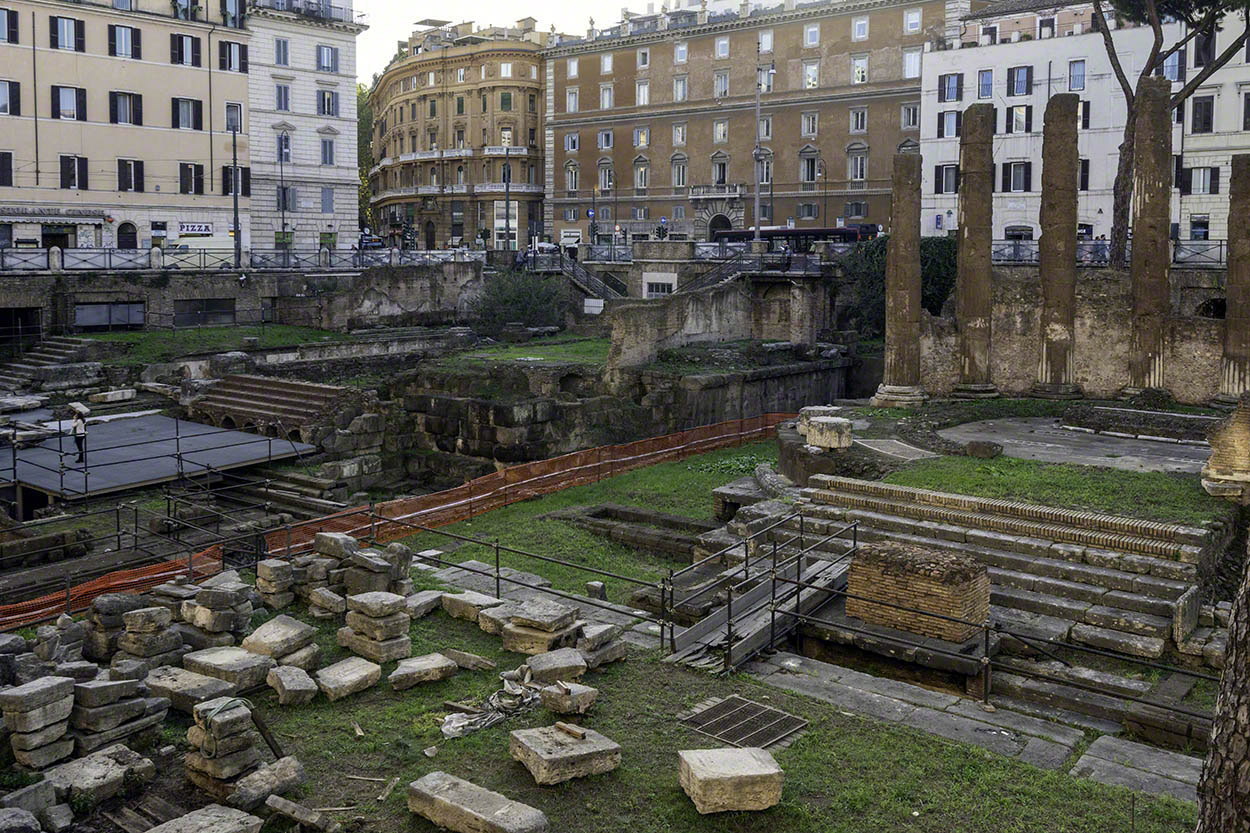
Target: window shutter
{"points": [[112, 40], [941, 126], [247, 182], [195, 52], [173, 113], [222, 48], [1028, 176], [184, 178], [1186, 182], [6, 169], [1006, 176], [80, 36], [959, 123], [67, 171], [225, 176], [1009, 123], [56, 101], [1085, 107], [941, 88], [1182, 63], [1178, 170], [334, 97], [937, 179], [1028, 79], [199, 179], [959, 86], [13, 34], [82, 173], [175, 49], [136, 109], [1028, 118], [138, 177], [123, 175], [956, 179], [243, 58], [993, 121], [1215, 180], [112, 108], [15, 98], [80, 104], [197, 113], [334, 59], [1011, 81], [1083, 184], [53, 34], [293, 199], [136, 43], [224, 12]]}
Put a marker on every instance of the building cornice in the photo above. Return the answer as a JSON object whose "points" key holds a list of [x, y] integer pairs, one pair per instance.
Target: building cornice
{"points": [[276, 15]]}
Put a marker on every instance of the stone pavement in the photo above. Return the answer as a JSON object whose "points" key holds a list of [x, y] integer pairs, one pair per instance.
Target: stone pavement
{"points": [[1040, 438], [896, 448], [1123, 763]]}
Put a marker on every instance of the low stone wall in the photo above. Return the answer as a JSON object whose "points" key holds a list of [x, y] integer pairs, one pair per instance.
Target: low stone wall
{"points": [[1103, 335]]}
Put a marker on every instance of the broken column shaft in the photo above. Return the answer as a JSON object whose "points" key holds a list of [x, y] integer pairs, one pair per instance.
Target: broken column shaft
{"points": [[1235, 367], [1152, 190], [976, 230]]}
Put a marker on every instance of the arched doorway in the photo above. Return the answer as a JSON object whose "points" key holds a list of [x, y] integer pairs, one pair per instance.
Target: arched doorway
{"points": [[429, 235], [127, 236], [719, 222]]}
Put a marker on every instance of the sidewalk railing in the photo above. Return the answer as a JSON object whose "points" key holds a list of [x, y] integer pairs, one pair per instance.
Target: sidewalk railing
{"points": [[105, 258], [20, 260]]}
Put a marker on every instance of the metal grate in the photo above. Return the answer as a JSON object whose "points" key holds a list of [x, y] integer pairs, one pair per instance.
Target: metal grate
{"points": [[744, 723]]}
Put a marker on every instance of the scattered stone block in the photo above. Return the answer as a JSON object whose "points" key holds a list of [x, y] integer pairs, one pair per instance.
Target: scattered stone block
{"points": [[422, 669], [718, 780], [147, 619], [279, 636], [562, 664], [253, 789], [241, 668], [456, 804], [327, 600], [347, 677], [379, 628], [612, 652], [186, 688], [470, 662], [228, 745], [468, 604], [102, 718], [99, 776], [596, 636], [553, 755], [303, 816], [492, 620], [46, 755], [15, 820], [337, 545], [307, 658], [34, 799], [597, 590], [387, 650], [293, 685], [103, 692], [57, 819], [423, 603], [377, 604], [371, 561], [525, 640], [212, 819], [223, 767], [545, 615], [568, 698], [33, 695]]}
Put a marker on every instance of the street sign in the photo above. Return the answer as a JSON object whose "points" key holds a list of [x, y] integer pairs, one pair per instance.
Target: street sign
{"points": [[663, 220], [590, 213]]}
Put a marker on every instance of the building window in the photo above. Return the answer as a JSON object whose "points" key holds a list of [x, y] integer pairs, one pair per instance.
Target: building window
{"points": [[284, 147], [190, 178], [811, 35], [605, 179], [232, 57], [68, 33], [124, 108], [429, 80], [856, 166], [910, 119], [856, 209], [946, 179], [680, 51], [460, 75], [1018, 176], [1204, 180], [765, 131], [1245, 112], [808, 211], [859, 29], [808, 124], [720, 172], [679, 173], [505, 69], [8, 27], [230, 177], [129, 175], [74, 173], [282, 97], [287, 200], [642, 137], [570, 101], [327, 200], [640, 212], [570, 178], [281, 52], [1203, 114], [679, 212], [1019, 80], [605, 139], [184, 50], [1199, 227], [1076, 76], [327, 151], [571, 142], [766, 40], [605, 97], [811, 73], [722, 47], [985, 83], [605, 63], [187, 114], [642, 176], [764, 169], [644, 58], [570, 214], [679, 88], [1020, 119], [1174, 66], [124, 42], [1082, 181], [720, 83], [679, 135], [720, 131], [911, 21], [911, 63], [570, 68], [328, 103], [433, 107], [659, 289], [505, 102], [533, 103], [764, 78], [505, 136], [327, 58], [10, 98], [951, 87], [1204, 48], [642, 93], [859, 69], [948, 124], [859, 119], [809, 168]]}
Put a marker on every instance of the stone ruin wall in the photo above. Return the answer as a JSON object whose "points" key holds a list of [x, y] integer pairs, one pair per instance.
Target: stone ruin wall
{"points": [[1103, 335]]}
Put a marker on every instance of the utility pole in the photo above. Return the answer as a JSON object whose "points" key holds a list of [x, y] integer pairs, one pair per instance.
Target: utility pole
{"points": [[757, 154], [235, 181], [824, 190], [507, 201], [283, 150]]}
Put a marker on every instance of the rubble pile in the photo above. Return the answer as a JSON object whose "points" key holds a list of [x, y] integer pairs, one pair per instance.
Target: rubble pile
{"points": [[148, 641], [377, 627]]}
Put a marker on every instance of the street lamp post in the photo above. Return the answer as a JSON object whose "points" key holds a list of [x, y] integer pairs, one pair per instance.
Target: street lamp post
{"points": [[824, 189], [236, 180], [757, 154], [507, 201], [284, 148]]}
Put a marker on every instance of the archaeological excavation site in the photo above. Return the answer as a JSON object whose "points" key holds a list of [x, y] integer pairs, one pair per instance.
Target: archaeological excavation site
{"points": [[882, 536]]}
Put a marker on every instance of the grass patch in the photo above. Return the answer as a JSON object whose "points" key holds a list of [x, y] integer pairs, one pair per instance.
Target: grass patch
{"points": [[165, 345], [845, 775], [557, 349], [677, 488], [1159, 496]]}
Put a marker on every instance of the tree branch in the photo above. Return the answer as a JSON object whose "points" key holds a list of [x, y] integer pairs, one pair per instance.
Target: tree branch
{"points": [[1111, 54], [1212, 66], [1152, 15], [1193, 33]]}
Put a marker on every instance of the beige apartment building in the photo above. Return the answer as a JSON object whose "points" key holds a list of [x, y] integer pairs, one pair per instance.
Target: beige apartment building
{"points": [[655, 118], [450, 112], [116, 122]]}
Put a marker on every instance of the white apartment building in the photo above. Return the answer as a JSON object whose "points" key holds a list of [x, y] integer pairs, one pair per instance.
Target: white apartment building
{"points": [[305, 180], [1015, 55]]}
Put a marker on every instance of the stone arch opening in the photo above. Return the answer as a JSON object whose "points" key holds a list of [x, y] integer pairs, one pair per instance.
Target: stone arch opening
{"points": [[1212, 308], [719, 222], [127, 236], [228, 423], [429, 235], [294, 435]]}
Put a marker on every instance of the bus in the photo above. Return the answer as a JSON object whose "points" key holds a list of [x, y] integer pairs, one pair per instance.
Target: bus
{"points": [[799, 240]]}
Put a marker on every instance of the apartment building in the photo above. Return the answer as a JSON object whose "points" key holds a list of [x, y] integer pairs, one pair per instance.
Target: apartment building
{"points": [[457, 121], [1015, 54], [117, 119], [653, 121], [305, 182]]}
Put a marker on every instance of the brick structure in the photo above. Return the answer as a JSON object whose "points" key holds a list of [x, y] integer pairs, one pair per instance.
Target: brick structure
{"points": [[945, 583]]}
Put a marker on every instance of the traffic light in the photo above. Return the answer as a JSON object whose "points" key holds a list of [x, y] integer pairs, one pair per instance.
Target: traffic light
{"points": [[594, 232]]}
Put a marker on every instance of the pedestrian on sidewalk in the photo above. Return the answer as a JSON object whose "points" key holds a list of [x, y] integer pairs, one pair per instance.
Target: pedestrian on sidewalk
{"points": [[79, 429]]}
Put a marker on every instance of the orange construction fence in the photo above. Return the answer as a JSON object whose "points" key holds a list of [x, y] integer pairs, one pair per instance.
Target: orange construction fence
{"points": [[482, 494]]}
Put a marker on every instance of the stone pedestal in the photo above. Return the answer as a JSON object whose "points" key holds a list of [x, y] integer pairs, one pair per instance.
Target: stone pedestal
{"points": [[1152, 193], [1057, 249], [900, 385], [1235, 365], [552, 754], [973, 293], [730, 779]]}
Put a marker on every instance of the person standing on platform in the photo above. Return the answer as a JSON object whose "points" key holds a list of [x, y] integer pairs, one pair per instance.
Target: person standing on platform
{"points": [[79, 430]]}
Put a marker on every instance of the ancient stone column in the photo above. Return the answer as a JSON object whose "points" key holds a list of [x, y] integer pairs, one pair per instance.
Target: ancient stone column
{"points": [[1235, 367], [976, 233], [1057, 249], [900, 385], [1152, 189]]}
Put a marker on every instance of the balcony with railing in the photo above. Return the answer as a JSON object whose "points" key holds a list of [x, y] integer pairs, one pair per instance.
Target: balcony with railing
{"points": [[721, 190], [505, 150], [313, 9], [500, 187]]}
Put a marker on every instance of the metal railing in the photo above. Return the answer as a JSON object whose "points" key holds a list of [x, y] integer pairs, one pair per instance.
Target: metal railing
{"points": [[429, 257], [1210, 253], [284, 258], [1095, 253], [16, 260], [608, 253], [198, 259], [313, 9], [719, 250], [105, 259], [770, 263], [599, 286]]}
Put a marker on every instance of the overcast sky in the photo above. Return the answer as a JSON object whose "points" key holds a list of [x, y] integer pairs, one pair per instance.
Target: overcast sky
{"points": [[393, 20]]}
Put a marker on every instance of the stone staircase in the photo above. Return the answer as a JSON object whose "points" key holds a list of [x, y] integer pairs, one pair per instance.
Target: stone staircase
{"points": [[261, 402], [299, 494], [53, 350], [1108, 582]]}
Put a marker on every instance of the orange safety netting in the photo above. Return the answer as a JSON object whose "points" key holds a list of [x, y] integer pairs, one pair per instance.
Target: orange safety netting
{"points": [[395, 519]]}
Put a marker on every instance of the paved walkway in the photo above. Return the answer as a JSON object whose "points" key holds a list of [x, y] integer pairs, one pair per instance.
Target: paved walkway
{"points": [[896, 448], [1124, 763], [1040, 438]]}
